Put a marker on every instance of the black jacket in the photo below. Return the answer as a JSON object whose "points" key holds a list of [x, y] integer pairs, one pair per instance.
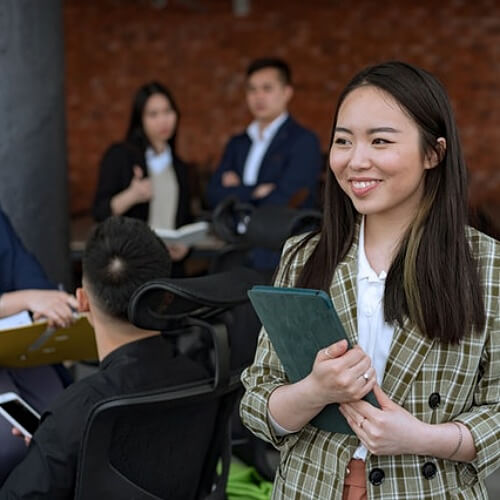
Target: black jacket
{"points": [[48, 472], [116, 172]]}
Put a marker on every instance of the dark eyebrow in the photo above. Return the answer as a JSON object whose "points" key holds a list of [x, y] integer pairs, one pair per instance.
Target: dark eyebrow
{"points": [[370, 130], [383, 129], [342, 129]]}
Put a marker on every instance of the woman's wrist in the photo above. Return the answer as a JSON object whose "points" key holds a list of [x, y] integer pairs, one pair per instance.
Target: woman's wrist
{"points": [[309, 393], [14, 302], [292, 406], [450, 441], [122, 201]]}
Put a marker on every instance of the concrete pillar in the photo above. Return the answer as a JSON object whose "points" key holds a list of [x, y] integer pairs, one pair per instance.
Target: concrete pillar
{"points": [[33, 173]]}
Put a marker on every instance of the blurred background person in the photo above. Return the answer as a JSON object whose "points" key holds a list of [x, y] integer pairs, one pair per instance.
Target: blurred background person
{"points": [[142, 177], [275, 160]]}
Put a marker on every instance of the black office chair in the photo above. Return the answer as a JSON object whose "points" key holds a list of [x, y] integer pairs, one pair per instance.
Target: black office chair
{"points": [[190, 423], [245, 227]]}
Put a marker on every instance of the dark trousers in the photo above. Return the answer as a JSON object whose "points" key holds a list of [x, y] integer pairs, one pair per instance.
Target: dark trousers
{"points": [[38, 386]]}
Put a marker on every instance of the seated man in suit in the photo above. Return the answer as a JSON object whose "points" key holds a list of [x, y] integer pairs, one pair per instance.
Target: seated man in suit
{"points": [[24, 286], [275, 161], [121, 255]]}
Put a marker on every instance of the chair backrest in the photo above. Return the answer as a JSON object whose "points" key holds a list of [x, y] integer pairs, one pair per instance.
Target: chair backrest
{"points": [[266, 226], [162, 445], [166, 444]]}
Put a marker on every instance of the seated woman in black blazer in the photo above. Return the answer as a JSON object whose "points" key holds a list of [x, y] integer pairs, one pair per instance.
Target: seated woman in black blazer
{"points": [[142, 177]]}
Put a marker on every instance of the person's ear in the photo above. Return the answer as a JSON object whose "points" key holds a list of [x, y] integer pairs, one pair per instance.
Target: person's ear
{"points": [[436, 155], [288, 92], [83, 300]]}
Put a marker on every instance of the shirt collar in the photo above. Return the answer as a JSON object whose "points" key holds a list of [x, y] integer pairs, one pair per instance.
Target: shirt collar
{"points": [[165, 155], [365, 271], [269, 132]]}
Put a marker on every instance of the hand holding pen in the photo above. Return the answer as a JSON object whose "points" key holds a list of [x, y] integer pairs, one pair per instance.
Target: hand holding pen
{"points": [[56, 306]]}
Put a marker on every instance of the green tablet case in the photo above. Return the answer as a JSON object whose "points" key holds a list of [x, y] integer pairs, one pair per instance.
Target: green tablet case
{"points": [[300, 322]]}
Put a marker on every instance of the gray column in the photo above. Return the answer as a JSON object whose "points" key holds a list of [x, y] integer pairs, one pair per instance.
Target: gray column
{"points": [[33, 174]]}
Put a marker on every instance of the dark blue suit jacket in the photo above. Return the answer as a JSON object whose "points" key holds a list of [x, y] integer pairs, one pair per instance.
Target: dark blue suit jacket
{"points": [[292, 162], [19, 269]]}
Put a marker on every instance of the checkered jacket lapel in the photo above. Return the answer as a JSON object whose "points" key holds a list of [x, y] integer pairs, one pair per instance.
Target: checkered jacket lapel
{"points": [[409, 349], [344, 294]]}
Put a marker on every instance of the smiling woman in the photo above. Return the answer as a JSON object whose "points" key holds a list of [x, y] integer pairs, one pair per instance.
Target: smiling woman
{"points": [[416, 289], [378, 161]]}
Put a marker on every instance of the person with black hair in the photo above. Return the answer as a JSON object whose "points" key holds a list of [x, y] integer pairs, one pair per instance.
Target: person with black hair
{"points": [[143, 177], [417, 291], [275, 161], [121, 255]]}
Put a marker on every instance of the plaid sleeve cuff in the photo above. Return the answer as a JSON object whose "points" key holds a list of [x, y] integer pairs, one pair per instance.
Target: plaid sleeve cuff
{"points": [[483, 424]]}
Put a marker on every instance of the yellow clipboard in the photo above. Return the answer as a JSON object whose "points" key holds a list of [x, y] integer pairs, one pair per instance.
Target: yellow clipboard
{"points": [[39, 344]]}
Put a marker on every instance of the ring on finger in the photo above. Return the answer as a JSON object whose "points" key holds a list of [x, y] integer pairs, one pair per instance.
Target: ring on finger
{"points": [[366, 376], [360, 425]]}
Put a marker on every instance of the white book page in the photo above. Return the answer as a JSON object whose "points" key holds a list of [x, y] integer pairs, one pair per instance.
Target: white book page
{"points": [[188, 234], [15, 320]]}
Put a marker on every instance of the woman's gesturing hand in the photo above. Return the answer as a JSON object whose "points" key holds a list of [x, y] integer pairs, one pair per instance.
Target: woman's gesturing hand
{"points": [[340, 375], [141, 188]]}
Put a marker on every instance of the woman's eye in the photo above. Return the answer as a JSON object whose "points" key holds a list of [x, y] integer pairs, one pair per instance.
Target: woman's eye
{"points": [[341, 141], [379, 140]]}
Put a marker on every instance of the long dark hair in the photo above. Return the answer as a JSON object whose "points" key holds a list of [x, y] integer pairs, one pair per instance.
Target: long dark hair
{"points": [[135, 133], [433, 279]]}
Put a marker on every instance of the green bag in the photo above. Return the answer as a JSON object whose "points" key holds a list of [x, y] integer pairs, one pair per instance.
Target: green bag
{"points": [[245, 483]]}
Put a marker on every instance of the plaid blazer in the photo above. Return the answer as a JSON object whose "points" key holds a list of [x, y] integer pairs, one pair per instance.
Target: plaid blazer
{"points": [[466, 376]]}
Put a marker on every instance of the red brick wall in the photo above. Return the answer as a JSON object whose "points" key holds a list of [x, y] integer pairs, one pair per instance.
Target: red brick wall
{"points": [[114, 46]]}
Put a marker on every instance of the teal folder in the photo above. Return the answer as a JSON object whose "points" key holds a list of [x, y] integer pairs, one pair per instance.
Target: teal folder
{"points": [[300, 322]]}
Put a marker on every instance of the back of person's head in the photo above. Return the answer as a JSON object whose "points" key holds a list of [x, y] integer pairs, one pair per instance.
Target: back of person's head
{"points": [[121, 255], [135, 133], [284, 72]]}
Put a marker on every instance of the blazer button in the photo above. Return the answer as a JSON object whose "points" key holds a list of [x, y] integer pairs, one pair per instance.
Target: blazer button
{"points": [[434, 400], [376, 476], [429, 470]]}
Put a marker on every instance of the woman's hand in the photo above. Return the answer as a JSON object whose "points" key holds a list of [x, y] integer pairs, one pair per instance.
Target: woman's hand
{"points": [[340, 375], [177, 251], [390, 430], [336, 376], [56, 306], [140, 189]]}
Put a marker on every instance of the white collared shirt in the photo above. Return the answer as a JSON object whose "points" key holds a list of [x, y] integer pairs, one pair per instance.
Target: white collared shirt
{"points": [[260, 143], [374, 334], [157, 162]]}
